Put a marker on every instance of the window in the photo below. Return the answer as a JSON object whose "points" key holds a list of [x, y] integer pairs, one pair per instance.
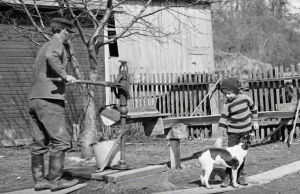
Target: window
{"points": [[113, 47]]}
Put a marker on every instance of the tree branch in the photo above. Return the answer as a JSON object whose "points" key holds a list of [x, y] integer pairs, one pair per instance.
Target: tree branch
{"points": [[61, 7], [103, 21], [101, 25], [35, 42], [121, 2], [159, 10], [22, 35], [77, 23], [135, 18], [133, 21], [93, 17], [33, 22], [39, 15]]}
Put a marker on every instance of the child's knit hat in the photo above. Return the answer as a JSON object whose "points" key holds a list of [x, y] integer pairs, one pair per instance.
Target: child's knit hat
{"points": [[231, 84]]}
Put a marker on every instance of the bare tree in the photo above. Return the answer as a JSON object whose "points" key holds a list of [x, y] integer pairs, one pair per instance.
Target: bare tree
{"points": [[99, 13]]}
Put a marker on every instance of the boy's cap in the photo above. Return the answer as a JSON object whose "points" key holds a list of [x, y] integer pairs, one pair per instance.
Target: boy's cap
{"points": [[62, 23], [231, 84]]}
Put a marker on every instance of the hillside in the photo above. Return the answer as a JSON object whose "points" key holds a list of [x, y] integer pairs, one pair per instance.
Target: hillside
{"points": [[255, 33]]}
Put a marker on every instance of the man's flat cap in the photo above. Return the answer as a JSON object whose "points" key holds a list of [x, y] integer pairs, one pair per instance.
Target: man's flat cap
{"points": [[62, 23]]}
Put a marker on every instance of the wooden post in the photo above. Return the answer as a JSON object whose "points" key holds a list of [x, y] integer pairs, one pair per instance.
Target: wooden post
{"points": [[175, 153], [214, 107], [177, 132]]}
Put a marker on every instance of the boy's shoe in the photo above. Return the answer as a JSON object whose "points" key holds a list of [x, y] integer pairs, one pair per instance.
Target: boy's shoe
{"points": [[226, 181], [242, 181]]}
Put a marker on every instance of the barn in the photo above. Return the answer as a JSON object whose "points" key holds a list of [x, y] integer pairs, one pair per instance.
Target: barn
{"points": [[19, 46]]}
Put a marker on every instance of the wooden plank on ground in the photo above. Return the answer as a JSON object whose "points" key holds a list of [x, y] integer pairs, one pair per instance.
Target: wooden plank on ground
{"points": [[84, 172], [63, 191], [261, 178], [276, 173], [140, 182], [114, 175], [135, 173]]}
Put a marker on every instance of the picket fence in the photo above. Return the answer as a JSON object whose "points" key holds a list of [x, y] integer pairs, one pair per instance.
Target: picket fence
{"points": [[180, 94]]}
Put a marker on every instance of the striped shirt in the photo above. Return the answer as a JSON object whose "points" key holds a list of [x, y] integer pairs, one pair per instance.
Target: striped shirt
{"points": [[237, 115]]}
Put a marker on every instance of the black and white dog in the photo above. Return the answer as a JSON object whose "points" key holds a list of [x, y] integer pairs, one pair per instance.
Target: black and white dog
{"points": [[231, 157]]}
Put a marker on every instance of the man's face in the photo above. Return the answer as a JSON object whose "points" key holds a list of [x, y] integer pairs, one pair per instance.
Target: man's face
{"points": [[67, 35]]}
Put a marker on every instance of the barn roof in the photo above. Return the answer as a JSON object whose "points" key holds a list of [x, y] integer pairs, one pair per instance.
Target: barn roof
{"points": [[93, 4]]}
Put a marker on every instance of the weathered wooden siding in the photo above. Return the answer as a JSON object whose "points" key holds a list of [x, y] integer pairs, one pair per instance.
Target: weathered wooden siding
{"points": [[188, 47], [17, 55]]}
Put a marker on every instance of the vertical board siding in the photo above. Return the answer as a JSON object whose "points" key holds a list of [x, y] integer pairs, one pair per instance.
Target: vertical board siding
{"points": [[186, 38]]}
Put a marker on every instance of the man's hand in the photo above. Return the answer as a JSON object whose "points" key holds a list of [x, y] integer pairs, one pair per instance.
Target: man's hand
{"points": [[255, 125], [218, 143], [70, 79]]}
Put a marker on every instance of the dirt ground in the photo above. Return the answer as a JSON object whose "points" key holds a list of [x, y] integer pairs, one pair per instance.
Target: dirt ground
{"points": [[16, 175]]}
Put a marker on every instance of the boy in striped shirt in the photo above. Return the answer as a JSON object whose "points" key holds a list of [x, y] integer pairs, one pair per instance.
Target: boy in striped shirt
{"points": [[238, 115]]}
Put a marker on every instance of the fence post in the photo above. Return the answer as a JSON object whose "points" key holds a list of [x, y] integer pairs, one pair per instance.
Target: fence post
{"points": [[214, 106]]}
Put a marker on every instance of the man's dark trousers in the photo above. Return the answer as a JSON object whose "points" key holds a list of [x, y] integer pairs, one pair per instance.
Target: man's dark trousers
{"points": [[48, 126]]}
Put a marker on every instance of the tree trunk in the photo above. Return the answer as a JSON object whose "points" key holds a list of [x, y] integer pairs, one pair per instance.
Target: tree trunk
{"points": [[89, 124], [280, 4], [90, 128]]}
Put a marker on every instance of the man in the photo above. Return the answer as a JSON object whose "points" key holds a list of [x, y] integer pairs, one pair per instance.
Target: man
{"points": [[46, 108]]}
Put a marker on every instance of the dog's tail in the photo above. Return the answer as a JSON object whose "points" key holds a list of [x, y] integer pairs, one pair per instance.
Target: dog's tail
{"points": [[198, 154]]}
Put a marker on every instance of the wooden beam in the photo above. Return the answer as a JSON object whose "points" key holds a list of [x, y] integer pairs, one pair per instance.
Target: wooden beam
{"points": [[243, 81], [212, 119], [274, 131]]}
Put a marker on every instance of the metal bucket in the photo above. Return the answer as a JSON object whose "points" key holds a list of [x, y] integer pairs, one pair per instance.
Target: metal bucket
{"points": [[101, 150]]}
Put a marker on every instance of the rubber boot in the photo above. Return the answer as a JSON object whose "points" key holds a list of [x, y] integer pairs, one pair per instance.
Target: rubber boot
{"points": [[38, 174], [56, 167], [227, 179]]}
